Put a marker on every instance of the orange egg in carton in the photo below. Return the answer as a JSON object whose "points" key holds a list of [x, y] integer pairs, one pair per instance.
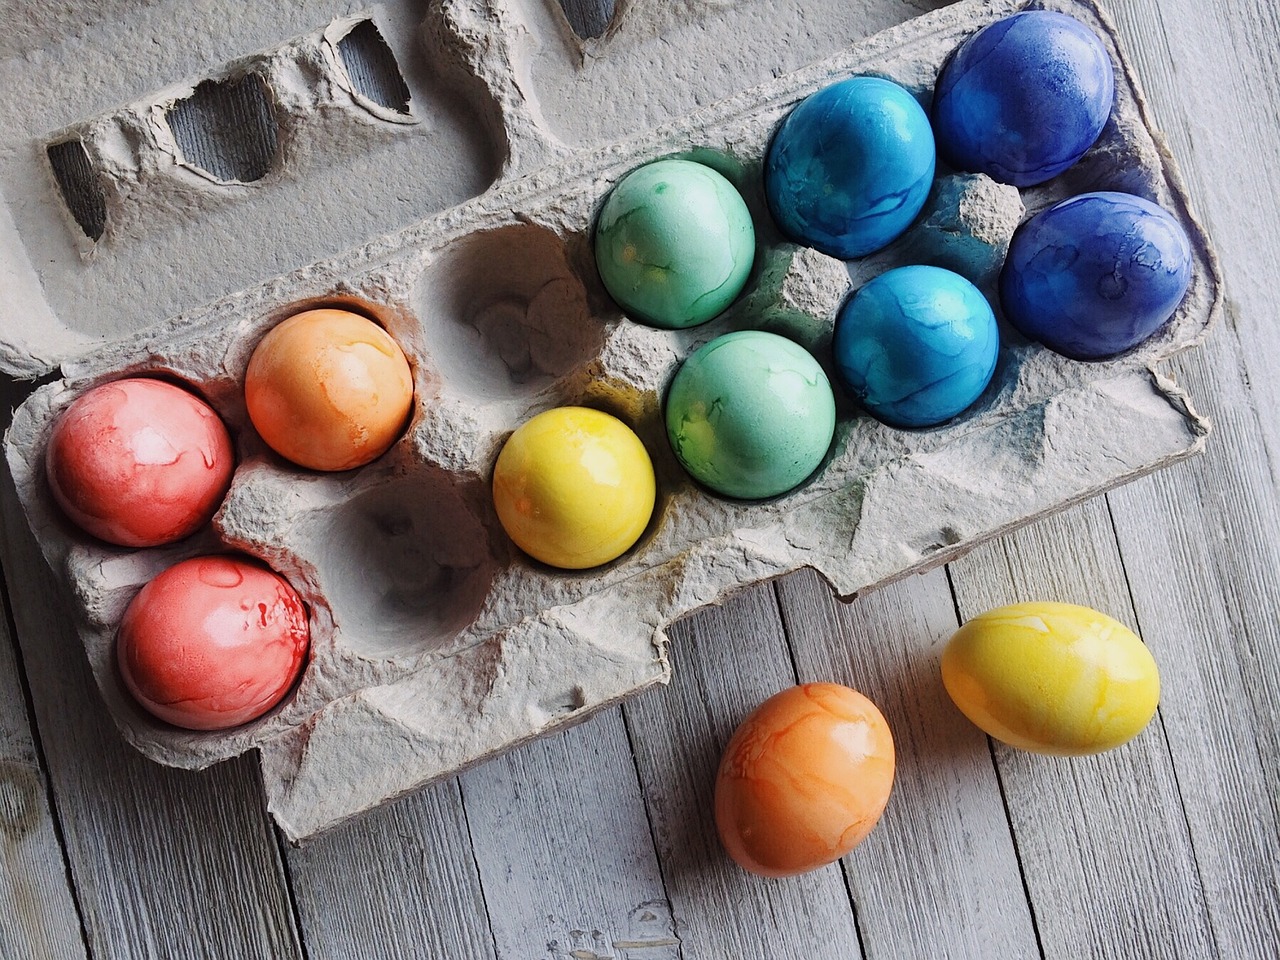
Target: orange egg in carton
{"points": [[434, 642]]}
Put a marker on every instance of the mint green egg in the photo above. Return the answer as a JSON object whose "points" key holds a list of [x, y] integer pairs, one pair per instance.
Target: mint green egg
{"points": [[750, 415], [674, 244]]}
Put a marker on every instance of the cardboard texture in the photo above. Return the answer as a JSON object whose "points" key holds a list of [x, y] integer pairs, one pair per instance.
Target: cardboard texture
{"points": [[435, 642]]}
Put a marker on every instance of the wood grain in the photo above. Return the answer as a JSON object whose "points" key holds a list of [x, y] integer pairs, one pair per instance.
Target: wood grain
{"points": [[725, 661], [565, 853], [1087, 828], [398, 882], [588, 18], [1201, 544], [37, 906], [167, 863], [939, 876]]}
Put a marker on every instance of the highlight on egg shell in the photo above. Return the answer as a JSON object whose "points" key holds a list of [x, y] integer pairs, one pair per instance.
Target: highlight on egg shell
{"points": [[850, 167], [803, 780], [213, 642], [574, 487], [1023, 98], [139, 462], [1052, 678], [1096, 275], [750, 414], [916, 346], [674, 243], [329, 389]]}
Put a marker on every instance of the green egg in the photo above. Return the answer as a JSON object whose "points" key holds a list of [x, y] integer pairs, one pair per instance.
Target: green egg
{"points": [[674, 244], [750, 415]]}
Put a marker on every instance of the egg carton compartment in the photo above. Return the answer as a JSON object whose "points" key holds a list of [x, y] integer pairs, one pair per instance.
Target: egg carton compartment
{"points": [[435, 642], [146, 140]]}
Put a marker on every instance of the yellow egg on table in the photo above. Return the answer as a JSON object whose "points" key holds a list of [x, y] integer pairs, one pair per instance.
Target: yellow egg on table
{"points": [[1052, 678], [574, 487]]}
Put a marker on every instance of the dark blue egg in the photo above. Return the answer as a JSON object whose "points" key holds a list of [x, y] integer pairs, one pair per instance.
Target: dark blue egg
{"points": [[916, 346], [1096, 274], [1022, 99], [850, 167]]}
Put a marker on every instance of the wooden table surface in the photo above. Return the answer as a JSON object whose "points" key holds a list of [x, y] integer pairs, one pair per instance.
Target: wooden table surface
{"points": [[599, 842]]}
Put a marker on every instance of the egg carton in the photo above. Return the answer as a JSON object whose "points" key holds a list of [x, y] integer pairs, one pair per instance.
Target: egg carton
{"points": [[435, 642]]}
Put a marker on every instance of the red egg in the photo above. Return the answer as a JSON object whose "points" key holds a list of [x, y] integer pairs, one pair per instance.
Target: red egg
{"points": [[139, 462], [213, 642], [803, 780]]}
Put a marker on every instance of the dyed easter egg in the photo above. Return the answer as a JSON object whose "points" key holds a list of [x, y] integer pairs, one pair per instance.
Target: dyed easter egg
{"points": [[139, 462], [1052, 678], [213, 642], [1024, 98], [850, 167], [916, 345], [574, 487], [674, 243], [1096, 274], [803, 780], [750, 414], [329, 389]]}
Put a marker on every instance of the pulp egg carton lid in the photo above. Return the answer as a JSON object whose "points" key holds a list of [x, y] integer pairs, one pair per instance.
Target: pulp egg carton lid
{"points": [[435, 642]]}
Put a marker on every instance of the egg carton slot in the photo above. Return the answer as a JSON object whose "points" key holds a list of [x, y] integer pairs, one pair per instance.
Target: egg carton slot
{"points": [[435, 642]]}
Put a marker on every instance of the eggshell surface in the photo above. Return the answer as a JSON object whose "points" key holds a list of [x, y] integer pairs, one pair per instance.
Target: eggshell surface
{"points": [[329, 389], [850, 167], [1023, 98], [139, 462], [1095, 275], [803, 780], [574, 487], [674, 243], [213, 642], [916, 345], [750, 414], [1052, 678]]}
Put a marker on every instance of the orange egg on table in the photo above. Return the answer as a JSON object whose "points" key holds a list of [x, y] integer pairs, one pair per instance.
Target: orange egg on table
{"points": [[329, 389], [803, 780]]}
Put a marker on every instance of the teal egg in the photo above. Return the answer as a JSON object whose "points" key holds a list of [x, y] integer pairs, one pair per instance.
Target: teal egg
{"points": [[750, 415], [674, 244]]}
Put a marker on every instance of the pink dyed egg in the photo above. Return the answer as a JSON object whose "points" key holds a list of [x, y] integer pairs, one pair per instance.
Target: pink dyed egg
{"points": [[139, 462], [213, 642]]}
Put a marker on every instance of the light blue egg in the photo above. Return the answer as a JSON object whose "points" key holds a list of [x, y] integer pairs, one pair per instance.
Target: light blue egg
{"points": [[850, 167], [916, 346]]}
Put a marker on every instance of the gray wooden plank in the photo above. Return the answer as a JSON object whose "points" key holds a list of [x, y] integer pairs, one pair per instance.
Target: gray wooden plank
{"points": [[1201, 544], [37, 906], [398, 882], [564, 848], [588, 18], [1103, 840], [166, 863], [939, 876], [725, 661]]}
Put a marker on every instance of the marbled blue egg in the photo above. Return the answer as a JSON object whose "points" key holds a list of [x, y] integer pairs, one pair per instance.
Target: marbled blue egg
{"points": [[1096, 274], [850, 167], [916, 346], [1022, 99]]}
